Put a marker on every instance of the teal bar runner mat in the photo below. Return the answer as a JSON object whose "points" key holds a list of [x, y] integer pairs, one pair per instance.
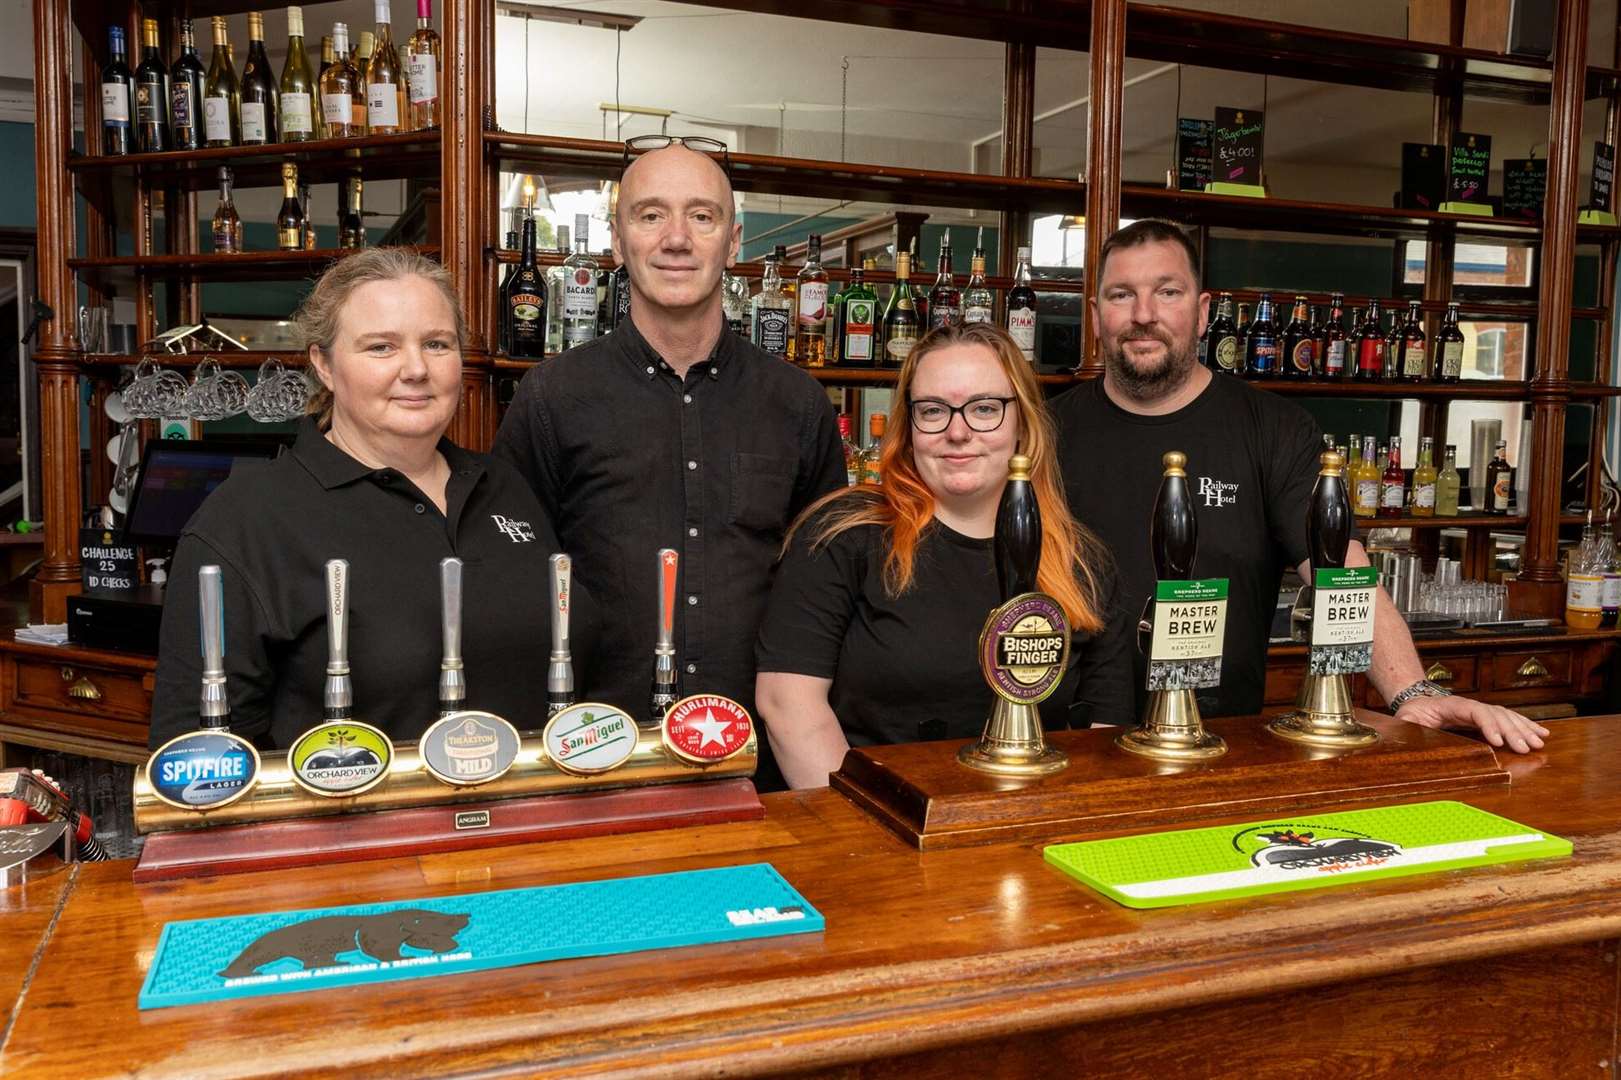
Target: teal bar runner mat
{"points": [[1307, 851], [240, 956]]}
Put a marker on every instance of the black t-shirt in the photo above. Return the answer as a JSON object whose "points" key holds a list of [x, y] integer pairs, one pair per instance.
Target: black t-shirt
{"points": [[1252, 460], [906, 668], [271, 528]]}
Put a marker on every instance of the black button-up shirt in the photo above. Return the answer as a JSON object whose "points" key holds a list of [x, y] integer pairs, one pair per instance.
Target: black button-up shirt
{"points": [[272, 526], [627, 458]]}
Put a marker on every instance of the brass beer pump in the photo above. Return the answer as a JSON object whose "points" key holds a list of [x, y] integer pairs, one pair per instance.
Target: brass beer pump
{"points": [[1323, 713], [1024, 648], [1172, 729]]}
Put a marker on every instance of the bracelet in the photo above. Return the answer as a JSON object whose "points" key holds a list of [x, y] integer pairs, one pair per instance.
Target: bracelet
{"points": [[1422, 688]]}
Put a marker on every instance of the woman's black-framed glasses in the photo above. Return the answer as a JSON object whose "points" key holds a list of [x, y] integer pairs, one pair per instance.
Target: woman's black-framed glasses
{"points": [[703, 144], [981, 414]]}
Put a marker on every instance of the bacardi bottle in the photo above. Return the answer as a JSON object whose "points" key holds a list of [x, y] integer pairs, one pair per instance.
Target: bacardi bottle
{"points": [[580, 287]]}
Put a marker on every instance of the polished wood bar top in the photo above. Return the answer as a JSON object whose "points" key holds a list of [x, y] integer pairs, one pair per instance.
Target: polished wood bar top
{"points": [[922, 951]]}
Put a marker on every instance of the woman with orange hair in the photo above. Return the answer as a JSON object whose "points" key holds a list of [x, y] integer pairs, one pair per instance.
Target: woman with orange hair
{"points": [[871, 632]]}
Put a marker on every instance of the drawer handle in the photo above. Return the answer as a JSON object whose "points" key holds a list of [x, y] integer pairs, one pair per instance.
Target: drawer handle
{"points": [[1532, 669], [81, 687], [1439, 673]]}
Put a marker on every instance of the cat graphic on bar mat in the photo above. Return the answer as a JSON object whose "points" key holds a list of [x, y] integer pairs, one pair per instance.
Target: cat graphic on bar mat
{"points": [[316, 943]]}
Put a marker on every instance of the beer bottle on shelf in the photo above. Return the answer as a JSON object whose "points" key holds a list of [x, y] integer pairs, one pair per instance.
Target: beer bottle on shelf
{"points": [[186, 94], [1448, 484], [1393, 484], [1243, 324], [523, 302], [900, 320], [945, 299], [1425, 479], [1370, 345], [1499, 481], [1261, 347], [1017, 542], [1449, 344], [290, 220], [1021, 308], [151, 93], [1299, 344], [1393, 341], [1319, 338], [1415, 365], [117, 97], [1335, 344], [1225, 354], [1367, 479]]}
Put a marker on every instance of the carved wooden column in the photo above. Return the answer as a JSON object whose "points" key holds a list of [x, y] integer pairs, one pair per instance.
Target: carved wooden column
{"points": [[56, 354], [467, 77], [1539, 590], [1103, 147]]}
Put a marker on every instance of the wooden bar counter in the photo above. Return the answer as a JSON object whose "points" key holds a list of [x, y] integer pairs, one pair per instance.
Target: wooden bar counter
{"points": [[967, 962]]}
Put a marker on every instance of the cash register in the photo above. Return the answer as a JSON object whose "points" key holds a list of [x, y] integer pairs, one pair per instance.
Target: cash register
{"points": [[176, 475]]}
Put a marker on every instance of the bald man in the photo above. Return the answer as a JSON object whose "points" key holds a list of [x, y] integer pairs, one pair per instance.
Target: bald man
{"points": [[672, 432]]}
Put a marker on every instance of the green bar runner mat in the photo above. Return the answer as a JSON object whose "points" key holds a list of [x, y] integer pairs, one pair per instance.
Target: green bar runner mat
{"points": [[1308, 851], [239, 956]]}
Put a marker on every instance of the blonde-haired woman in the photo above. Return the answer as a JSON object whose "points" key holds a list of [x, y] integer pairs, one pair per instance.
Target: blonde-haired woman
{"points": [[871, 632], [371, 479]]}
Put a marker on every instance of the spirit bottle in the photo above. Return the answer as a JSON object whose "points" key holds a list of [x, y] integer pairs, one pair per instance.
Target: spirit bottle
{"points": [[1609, 564], [385, 81], [1393, 484], [1415, 365], [117, 97], [351, 218], [151, 93], [298, 88], [1425, 479], [772, 312], [1299, 344], [422, 70], [810, 324], [945, 299], [978, 302], [1499, 481], [852, 455], [858, 315], [554, 295], [873, 456], [900, 320], [222, 97], [734, 302], [1447, 485], [1261, 343], [1449, 343], [523, 303], [341, 97], [1021, 308], [290, 220], [227, 225], [258, 88], [580, 288], [186, 94], [1584, 584], [620, 295]]}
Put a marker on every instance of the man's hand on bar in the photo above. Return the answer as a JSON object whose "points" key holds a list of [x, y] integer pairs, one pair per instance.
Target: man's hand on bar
{"points": [[1500, 726]]}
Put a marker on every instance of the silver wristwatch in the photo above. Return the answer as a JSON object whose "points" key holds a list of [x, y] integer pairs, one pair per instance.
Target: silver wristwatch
{"points": [[1422, 688]]}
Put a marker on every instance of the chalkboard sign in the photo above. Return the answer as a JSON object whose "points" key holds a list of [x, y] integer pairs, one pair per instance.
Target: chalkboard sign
{"points": [[1603, 177], [1193, 153], [1237, 146], [106, 564], [1525, 182], [1471, 167], [1423, 176]]}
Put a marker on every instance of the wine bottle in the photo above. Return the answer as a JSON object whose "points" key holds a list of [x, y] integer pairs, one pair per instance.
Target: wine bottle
{"points": [[385, 84], [351, 219], [341, 98], [1021, 308], [290, 219], [222, 95], [117, 97], [900, 319], [259, 119], [151, 93], [186, 94], [328, 56], [1017, 544], [1449, 342], [360, 61], [945, 299], [523, 303], [298, 86], [227, 224], [422, 70]]}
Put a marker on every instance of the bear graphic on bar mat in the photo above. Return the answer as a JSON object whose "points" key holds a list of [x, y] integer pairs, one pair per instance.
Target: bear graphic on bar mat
{"points": [[317, 943]]}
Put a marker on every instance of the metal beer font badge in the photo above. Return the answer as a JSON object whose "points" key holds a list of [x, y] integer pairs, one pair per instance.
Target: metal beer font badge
{"points": [[1024, 648], [340, 758], [467, 748], [590, 738], [706, 729], [203, 770]]}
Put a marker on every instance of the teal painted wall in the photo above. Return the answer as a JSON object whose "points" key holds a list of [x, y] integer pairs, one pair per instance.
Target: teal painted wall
{"points": [[17, 194]]}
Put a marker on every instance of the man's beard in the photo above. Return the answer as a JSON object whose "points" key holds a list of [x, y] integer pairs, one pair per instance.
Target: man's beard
{"points": [[1147, 384]]}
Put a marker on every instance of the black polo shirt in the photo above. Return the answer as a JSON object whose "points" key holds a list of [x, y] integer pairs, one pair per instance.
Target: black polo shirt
{"points": [[628, 458], [272, 526]]}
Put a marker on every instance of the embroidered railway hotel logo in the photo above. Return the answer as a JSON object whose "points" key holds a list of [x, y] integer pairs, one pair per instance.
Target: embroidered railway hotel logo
{"points": [[1216, 493], [519, 532]]}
